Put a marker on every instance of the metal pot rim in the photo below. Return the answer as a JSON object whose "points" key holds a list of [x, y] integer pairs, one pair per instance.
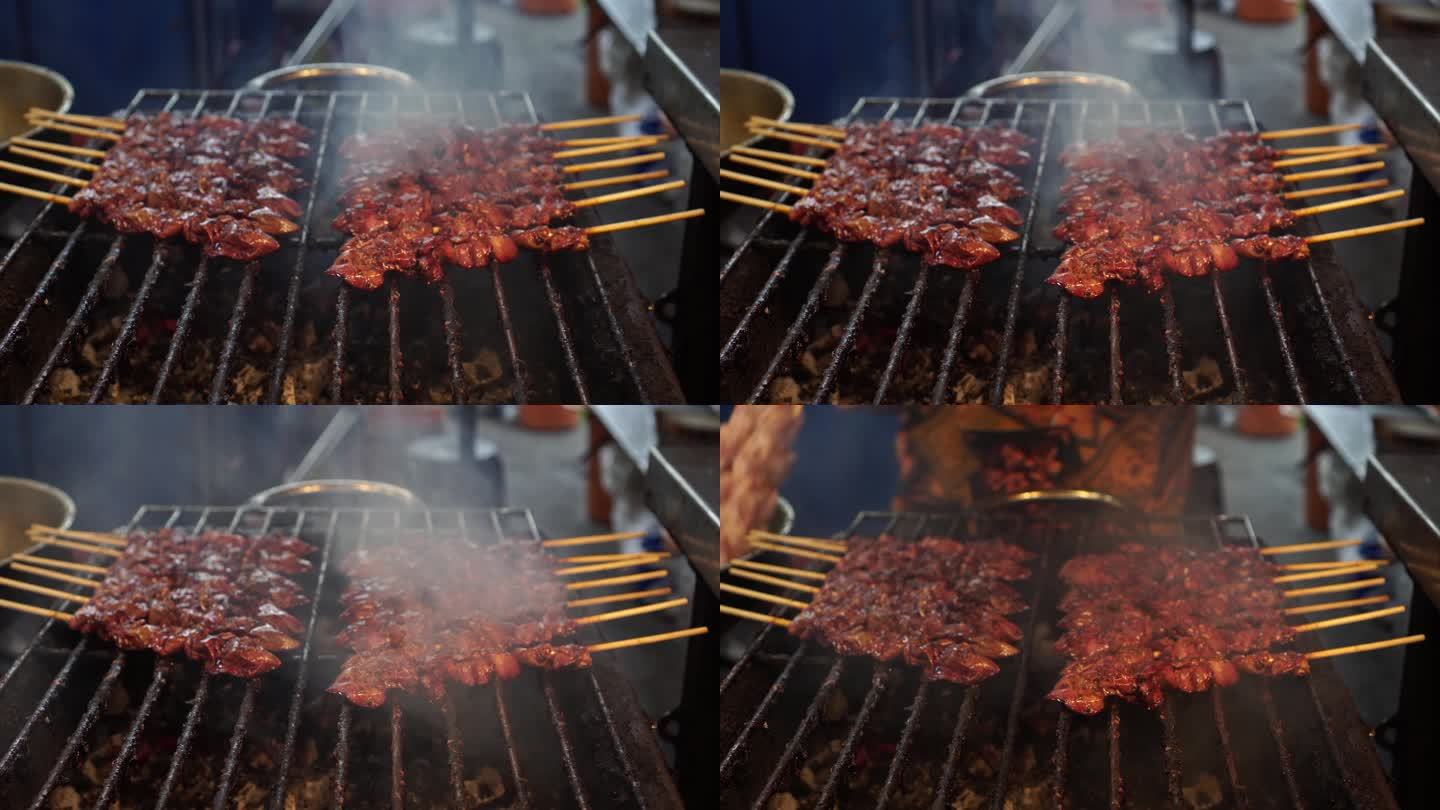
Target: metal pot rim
{"points": [[338, 486], [55, 492], [321, 70], [67, 91], [996, 87], [786, 96]]}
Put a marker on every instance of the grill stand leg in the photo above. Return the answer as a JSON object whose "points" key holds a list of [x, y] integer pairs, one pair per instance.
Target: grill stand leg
{"points": [[697, 749], [1415, 328], [696, 340], [1417, 781]]}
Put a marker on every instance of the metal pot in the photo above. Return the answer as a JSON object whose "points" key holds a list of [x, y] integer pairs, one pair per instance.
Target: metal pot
{"points": [[23, 502], [331, 76], [337, 493], [22, 86], [1055, 84], [743, 94]]}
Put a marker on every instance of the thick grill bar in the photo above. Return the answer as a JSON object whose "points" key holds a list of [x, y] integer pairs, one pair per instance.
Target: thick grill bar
{"points": [[851, 732], [810, 319], [194, 740], [94, 316]]}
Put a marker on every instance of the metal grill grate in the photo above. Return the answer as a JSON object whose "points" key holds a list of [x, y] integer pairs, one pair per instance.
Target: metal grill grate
{"points": [[849, 732], [97, 316], [194, 740], [797, 330]]}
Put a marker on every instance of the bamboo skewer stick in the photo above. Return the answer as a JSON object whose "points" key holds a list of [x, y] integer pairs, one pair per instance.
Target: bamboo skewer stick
{"points": [[614, 181], [91, 120], [596, 141], [39, 195], [1324, 190], [762, 596], [1358, 168], [590, 539], [1349, 233], [1344, 603], [804, 160], [94, 537], [56, 159], [20, 168], [54, 563], [755, 202], [1323, 573], [615, 163], [56, 541], [89, 132], [813, 129], [626, 555], [814, 555], [817, 543], [44, 591], [607, 566], [769, 580], [629, 194], [581, 123], [633, 611], [63, 148], [45, 572], [1319, 566], [1351, 619], [764, 183], [621, 580], [1356, 648], [616, 597], [1326, 157], [750, 614], [775, 167], [38, 611], [1336, 588], [1317, 150], [1300, 132], [646, 221], [793, 138], [1319, 545], [643, 640], [605, 149], [1350, 203], [778, 569]]}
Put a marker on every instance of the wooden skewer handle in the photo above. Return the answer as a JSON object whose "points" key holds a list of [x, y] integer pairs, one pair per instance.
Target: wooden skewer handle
{"points": [[1344, 603], [804, 160], [615, 181], [778, 569], [616, 597], [1365, 231], [55, 159], [615, 163], [793, 138], [1340, 189], [581, 123], [73, 566], [56, 575], [37, 611], [20, 168], [769, 580], [63, 148], [93, 549], [813, 129], [1340, 171], [91, 537], [1336, 588], [89, 132], [591, 539], [818, 543], [1326, 157], [620, 580], [1320, 545], [813, 555], [605, 149], [1357, 648], [89, 120], [764, 183], [32, 193], [633, 611], [624, 555], [643, 640], [646, 221], [1300, 132], [755, 202], [763, 596], [1351, 619], [775, 167], [608, 566], [1316, 566], [630, 194], [42, 590], [1350, 203], [1327, 572], [750, 614]]}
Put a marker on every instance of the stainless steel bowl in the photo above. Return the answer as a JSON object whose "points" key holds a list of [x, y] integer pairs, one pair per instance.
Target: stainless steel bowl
{"points": [[1055, 84], [23, 502], [331, 76], [743, 94], [22, 86], [338, 492]]}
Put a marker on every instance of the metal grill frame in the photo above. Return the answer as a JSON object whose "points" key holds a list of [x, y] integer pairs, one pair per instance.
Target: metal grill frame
{"points": [[1356, 366], [1348, 744], [636, 748], [616, 357]]}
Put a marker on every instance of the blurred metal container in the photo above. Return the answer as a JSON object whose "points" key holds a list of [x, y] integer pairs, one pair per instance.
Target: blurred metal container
{"points": [[334, 76], [22, 86], [1055, 84], [23, 502], [743, 94]]}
